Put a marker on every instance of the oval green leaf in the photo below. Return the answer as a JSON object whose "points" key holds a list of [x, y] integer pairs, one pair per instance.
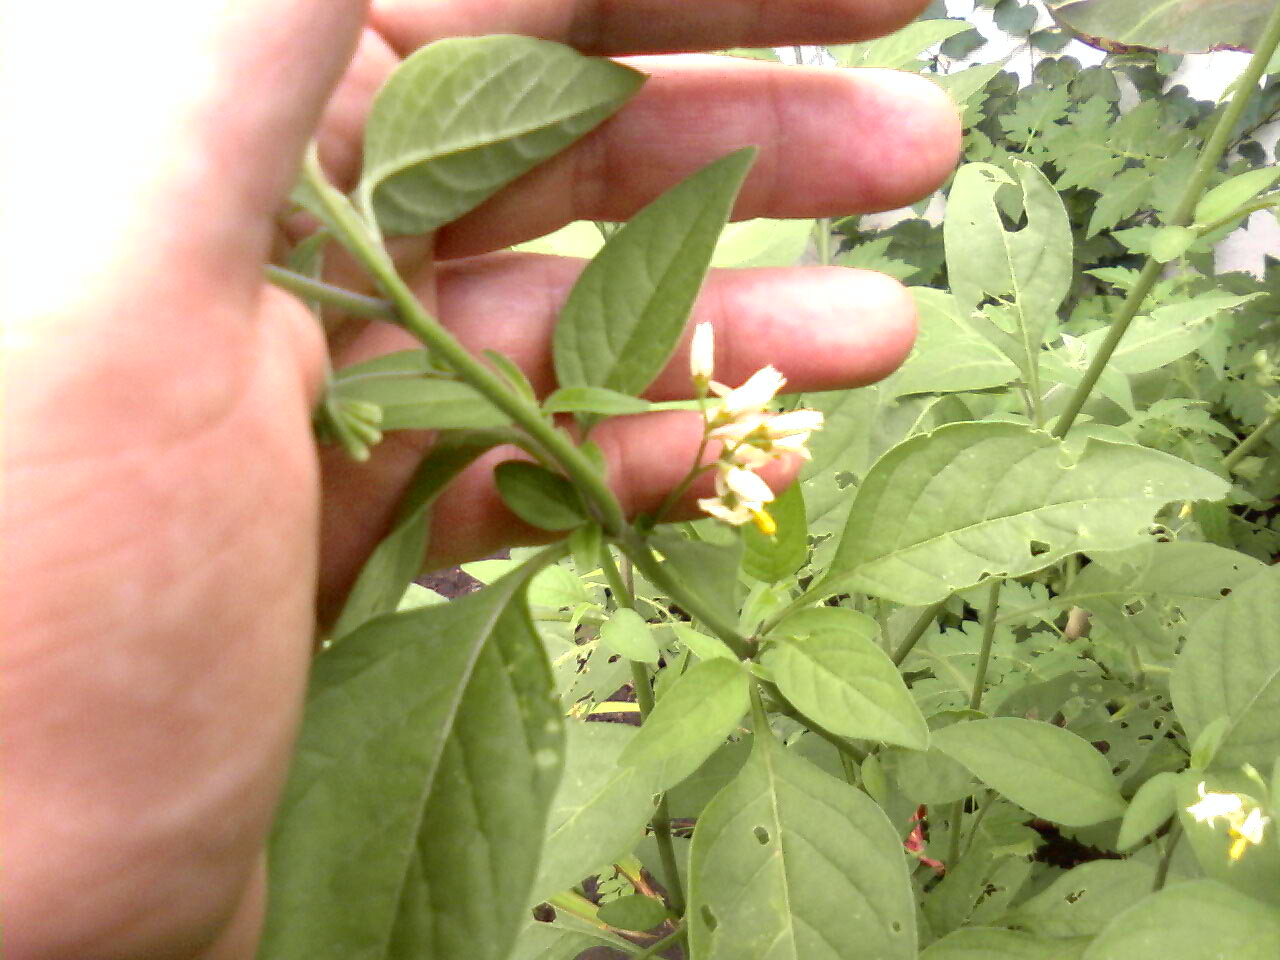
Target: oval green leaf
{"points": [[539, 497], [626, 633], [1043, 768]]}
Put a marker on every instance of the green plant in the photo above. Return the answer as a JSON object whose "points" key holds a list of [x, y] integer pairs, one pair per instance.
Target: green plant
{"points": [[982, 683]]}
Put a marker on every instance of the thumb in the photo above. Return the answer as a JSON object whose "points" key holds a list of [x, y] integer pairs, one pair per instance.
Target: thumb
{"points": [[169, 132]]}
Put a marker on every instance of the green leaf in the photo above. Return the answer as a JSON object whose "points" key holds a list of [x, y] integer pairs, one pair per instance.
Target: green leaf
{"points": [[1041, 767], [421, 403], [1083, 900], [928, 776], [399, 557], [627, 634], [428, 736], [539, 497], [965, 85], [566, 938], [1226, 197], [1032, 265], [1170, 243], [461, 118], [829, 665], [791, 864], [773, 559], [949, 356], [941, 510], [1230, 667], [1151, 806], [991, 943], [690, 721], [762, 243], [1014, 18], [599, 811], [1196, 920], [1172, 331], [633, 912], [1174, 26], [627, 312], [900, 49], [707, 569], [702, 645], [609, 403]]}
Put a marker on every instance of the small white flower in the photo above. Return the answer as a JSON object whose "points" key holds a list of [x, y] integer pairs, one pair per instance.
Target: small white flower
{"points": [[702, 354], [1211, 806], [756, 439], [745, 485], [1254, 824], [740, 496], [752, 397]]}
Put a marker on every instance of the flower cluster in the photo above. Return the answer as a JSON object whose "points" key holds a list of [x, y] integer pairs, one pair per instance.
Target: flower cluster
{"points": [[749, 435], [1243, 816]]}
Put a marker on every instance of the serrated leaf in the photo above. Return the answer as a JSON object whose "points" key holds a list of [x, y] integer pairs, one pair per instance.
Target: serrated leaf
{"points": [[1230, 667], [399, 557], [773, 559], [1041, 767], [462, 117], [626, 633], [941, 510], [829, 665], [539, 497], [1175, 26], [609, 403], [1170, 243], [443, 716], [1151, 806], [1196, 920], [791, 864], [421, 403], [690, 721], [599, 811], [1124, 195], [993, 943], [627, 311]]}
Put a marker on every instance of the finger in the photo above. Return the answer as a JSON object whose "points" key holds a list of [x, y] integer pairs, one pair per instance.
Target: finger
{"points": [[647, 26], [870, 139]]}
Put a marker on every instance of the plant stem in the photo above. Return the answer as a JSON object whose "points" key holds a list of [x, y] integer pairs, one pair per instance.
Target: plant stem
{"points": [[927, 616], [665, 943], [789, 709], [823, 225], [1171, 844], [642, 556], [953, 837], [988, 634], [1183, 214], [348, 301], [640, 681], [1252, 440], [357, 236]]}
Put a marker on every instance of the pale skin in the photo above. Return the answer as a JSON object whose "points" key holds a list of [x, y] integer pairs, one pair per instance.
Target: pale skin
{"points": [[169, 531]]}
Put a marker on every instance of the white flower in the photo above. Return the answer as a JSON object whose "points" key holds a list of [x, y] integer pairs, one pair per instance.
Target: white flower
{"points": [[752, 397], [740, 496], [756, 439], [702, 355], [1245, 828], [1211, 806]]}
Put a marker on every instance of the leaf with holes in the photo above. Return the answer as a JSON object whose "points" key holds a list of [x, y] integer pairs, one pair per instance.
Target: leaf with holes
{"points": [[1174, 26], [1043, 768], [941, 511], [461, 118], [1230, 667], [791, 864], [627, 312], [444, 717]]}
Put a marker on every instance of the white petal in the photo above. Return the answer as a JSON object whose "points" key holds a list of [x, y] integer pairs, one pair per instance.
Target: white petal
{"points": [[795, 422], [747, 485], [702, 352], [1253, 826], [1214, 805], [754, 395], [715, 506]]}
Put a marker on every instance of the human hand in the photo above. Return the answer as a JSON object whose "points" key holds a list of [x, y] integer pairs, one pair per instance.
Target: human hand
{"points": [[165, 513]]}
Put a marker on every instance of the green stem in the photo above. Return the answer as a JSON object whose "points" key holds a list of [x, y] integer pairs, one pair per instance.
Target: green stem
{"points": [[348, 301], [984, 654], [789, 709], [1252, 440], [640, 681], [927, 616], [356, 235], [1183, 214], [664, 944], [823, 225], [953, 837], [642, 556]]}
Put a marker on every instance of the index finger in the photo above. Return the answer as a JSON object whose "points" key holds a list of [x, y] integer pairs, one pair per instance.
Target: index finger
{"points": [[618, 27]]}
